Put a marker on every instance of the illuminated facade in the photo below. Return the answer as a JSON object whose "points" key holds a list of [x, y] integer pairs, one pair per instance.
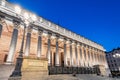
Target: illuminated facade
{"points": [[113, 58], [44, 39]]}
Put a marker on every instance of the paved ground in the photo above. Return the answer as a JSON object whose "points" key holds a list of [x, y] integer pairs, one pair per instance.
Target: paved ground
{"points": [[5, 72]]}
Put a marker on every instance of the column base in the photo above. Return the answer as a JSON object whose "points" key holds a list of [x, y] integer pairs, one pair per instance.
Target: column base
{"points": [[14, 78], [9, 63], [57, 65]]}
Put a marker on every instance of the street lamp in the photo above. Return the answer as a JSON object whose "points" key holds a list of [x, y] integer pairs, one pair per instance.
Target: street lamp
{"points": [[25, 20], [17, 70]]}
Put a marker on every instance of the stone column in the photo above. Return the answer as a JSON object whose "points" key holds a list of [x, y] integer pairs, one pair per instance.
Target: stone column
{"points": [[65, 54], [83, 57], [1, 25], [76, 55], [49, 50], [57, 62], [84, 50], [98, 58], [93, 57], [88, 57], [28, 41], [87, 62], [39, 45], [80, 52], [13, 42], [71, 57], [90, 60]]}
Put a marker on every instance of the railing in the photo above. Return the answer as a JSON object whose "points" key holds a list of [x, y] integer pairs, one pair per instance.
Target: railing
{"points": [[51, 26]]}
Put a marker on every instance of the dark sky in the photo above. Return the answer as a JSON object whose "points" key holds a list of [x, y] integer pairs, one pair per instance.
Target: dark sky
{"points": [[97, 20]]}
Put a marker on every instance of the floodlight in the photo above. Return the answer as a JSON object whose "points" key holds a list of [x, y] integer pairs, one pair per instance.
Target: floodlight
{"points": [[33, 17], [26, 15], [17, 9]]}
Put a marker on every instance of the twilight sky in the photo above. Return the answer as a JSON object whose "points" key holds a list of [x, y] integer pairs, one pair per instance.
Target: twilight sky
{"points": [[97, 20]]}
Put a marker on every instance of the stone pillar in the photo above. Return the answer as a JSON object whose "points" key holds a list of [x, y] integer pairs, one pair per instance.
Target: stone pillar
{"points": [[1, 25], [39, 45], [83, 57], [87, 62], [93, 57], [57, 62], [71, 57], [13, 42], [90, 57], [65, 54], [80, 52], [76, 55], [28, 41], [98, 58], [49, 50]]}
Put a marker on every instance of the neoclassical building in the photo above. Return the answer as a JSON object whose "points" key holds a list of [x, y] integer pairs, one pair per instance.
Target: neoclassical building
{"points": [[44, 39]]}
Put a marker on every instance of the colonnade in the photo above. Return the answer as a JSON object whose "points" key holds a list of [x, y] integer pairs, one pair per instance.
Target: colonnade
{"points": [[76, 54]]}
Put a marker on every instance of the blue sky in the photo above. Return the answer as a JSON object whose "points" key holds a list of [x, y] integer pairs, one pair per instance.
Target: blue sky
{"points": [[97, 20]]}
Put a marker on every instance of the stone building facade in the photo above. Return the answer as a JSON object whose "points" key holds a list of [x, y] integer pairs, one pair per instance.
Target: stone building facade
{"points": [[44, 39], [113, 59]]}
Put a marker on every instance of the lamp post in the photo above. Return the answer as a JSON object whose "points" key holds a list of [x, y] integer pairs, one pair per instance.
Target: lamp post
{"points": [[17, 70], [26, 21]]}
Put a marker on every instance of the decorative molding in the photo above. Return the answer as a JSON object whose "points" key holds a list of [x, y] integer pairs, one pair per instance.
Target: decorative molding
{"points": [[8, 9]]}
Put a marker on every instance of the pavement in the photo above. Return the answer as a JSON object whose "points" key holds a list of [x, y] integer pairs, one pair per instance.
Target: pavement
{"points": [[6, 70]]}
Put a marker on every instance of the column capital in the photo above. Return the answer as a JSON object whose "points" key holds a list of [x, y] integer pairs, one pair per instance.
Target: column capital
{"points": [[78, 44], [57, 37], [16, 24], [65, 40], [2, 19], [49, 36], [29, 29], [40, 32], [70, 42]]}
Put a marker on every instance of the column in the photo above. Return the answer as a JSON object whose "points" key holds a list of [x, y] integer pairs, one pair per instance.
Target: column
{"points": [[13, 42], [84, 56], [93, 56], [49, 50], [71, 57], [1, 25], [39, 45], [28, 41], [57, 62], [80, 52], [97, 56], [86, 50], [76, 55], [90, 59], [65, 54]]}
